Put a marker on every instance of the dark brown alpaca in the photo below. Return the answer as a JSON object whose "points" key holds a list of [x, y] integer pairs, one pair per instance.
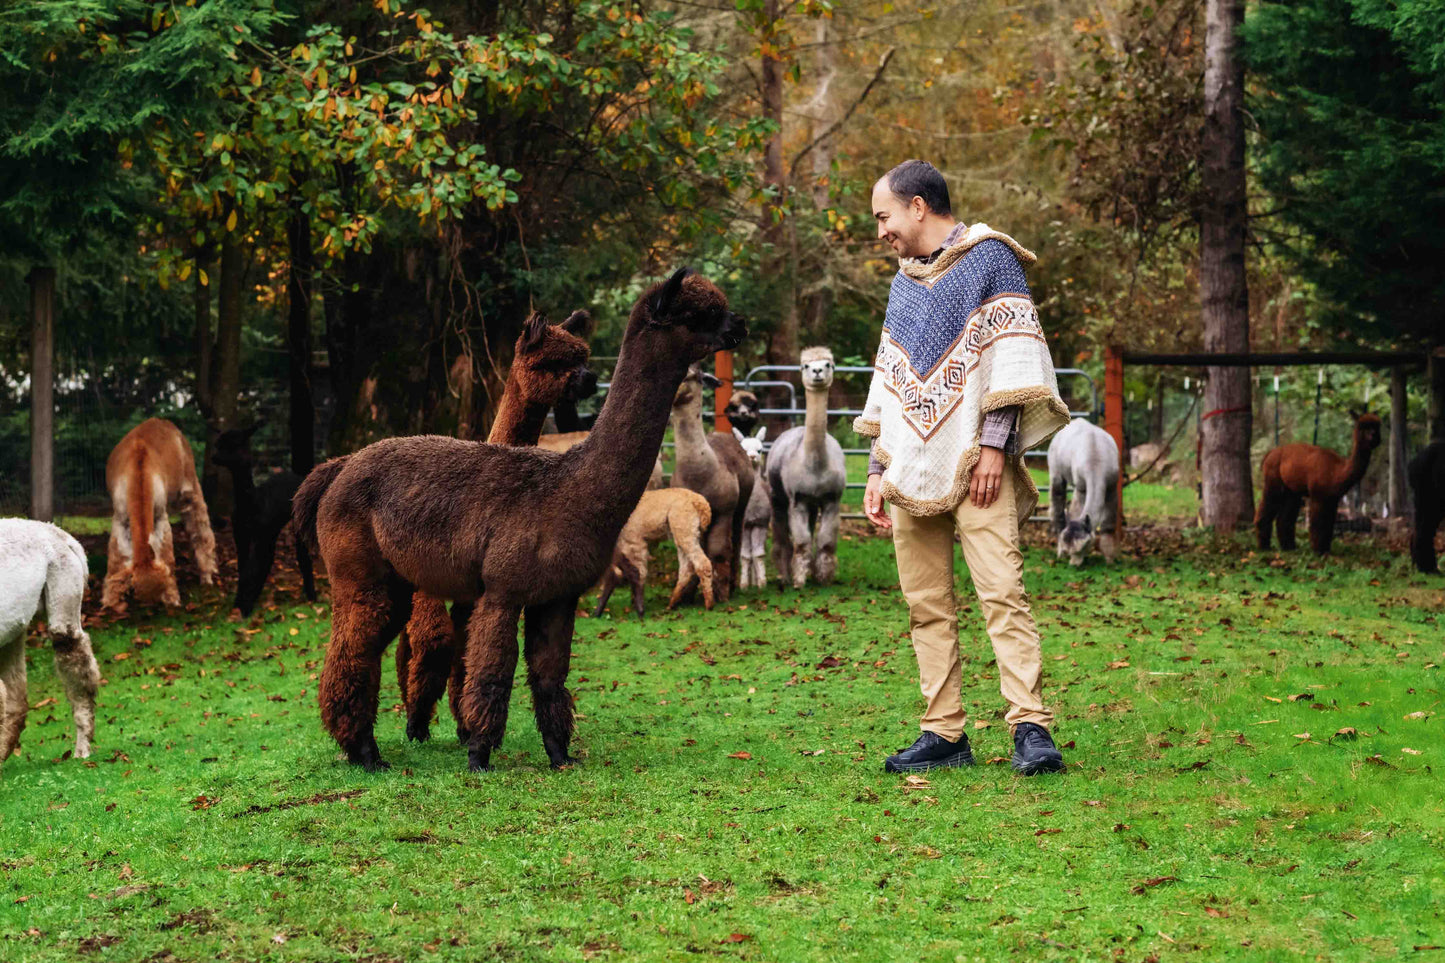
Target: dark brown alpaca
{"points": [[1293, 473], [531, 529], [549, 366]]}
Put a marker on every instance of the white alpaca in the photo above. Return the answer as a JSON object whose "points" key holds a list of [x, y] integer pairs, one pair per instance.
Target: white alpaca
{"points": [[806, 478], [1085, 458], [42, 564], [758, 516]]}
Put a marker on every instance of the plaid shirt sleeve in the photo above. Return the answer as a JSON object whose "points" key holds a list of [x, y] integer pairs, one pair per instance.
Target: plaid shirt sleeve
{"points": [[875, 467], [1000, 429]]}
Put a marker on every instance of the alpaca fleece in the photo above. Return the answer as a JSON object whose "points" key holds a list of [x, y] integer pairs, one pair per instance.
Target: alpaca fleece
{"points": [[517, 530]]}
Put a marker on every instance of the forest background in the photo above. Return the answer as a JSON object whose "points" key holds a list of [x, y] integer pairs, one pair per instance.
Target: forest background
{"points": [[333, 218]]}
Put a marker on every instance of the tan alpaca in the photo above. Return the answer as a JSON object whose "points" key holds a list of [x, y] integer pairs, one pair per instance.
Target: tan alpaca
{"points": [[150, 470], [677, 512]]}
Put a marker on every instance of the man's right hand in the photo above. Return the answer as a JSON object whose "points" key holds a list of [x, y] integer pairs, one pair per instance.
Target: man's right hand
{"points": [[873, 504]]}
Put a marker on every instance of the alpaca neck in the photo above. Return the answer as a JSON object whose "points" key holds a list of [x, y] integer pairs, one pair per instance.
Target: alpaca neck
{"points": [[517, 422], [243, 487], [815, 427], [1354, 469], [614, 464], [688, 434]]}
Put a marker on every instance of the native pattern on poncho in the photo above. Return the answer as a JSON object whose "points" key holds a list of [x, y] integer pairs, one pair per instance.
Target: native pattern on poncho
{"points": [[961, 336]]}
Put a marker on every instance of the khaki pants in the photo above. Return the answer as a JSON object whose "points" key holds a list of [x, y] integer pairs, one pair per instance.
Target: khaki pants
{"points": [[990, 538]]}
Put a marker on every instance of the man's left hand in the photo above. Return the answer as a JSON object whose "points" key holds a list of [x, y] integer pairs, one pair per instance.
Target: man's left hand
{"points": [[987, 476]]}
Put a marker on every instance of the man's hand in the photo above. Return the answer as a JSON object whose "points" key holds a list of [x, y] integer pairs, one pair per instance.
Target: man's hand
{"points": [[987, 476], [873, 504]]}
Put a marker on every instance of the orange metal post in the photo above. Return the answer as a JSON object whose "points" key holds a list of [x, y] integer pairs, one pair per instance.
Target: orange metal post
{"points": [[723, 368], [1114, 417]]}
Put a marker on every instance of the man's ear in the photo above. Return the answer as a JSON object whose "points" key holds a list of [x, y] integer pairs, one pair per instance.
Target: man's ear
{"points": [[918, 207], [534, 330], [666, 295], [579, 322]]}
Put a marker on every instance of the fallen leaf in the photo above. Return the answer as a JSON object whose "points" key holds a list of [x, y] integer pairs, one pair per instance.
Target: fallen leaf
{"points": [[688, 897], [915, 782], [740, 755], [1093, 802], [981, 723], [1273, 699], [1413, 752], [43, 703], [1121, 664], [1347, 733], [120, 657], [1217, 914], [1047, 832], [736, 938], [1408, 715], [1153, 882], [1302, 735], [1302, 697]]}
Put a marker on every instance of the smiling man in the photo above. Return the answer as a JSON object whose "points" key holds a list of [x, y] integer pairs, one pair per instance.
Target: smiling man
{"points": [[963, 383]]}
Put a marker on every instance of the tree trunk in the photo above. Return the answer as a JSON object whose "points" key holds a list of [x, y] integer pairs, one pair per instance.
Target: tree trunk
{"points": [[298, 336], [205, 372], [226, 372], [42, 394], [1228, 491], [1399, 441], [783, 346]]}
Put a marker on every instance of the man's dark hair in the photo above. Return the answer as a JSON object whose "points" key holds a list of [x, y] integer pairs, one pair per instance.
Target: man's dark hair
{"points": [[918, 178]]}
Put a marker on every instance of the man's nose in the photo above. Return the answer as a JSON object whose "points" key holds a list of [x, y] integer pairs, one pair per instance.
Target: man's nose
{"points": [[882, 232]]}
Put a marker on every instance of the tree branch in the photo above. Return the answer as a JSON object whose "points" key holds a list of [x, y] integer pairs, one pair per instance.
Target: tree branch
{"points": [[834, 127]]}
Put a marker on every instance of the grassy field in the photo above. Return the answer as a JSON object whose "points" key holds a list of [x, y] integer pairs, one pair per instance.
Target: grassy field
{"points": [[1251, 744]]}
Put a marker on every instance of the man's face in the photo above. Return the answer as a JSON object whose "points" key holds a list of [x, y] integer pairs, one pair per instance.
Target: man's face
{"points": [[900, 224]]}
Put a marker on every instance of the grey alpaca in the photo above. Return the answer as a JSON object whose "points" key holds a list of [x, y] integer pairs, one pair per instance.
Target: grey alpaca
{"points": [[1084, 457], [806, 478], [43, 567]]}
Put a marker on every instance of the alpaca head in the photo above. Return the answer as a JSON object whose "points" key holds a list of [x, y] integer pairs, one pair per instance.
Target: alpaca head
{"points": [[149, 580], [688, 399], [233, 447], [743, 410], [685, 317], [1367, 430], [817, 367], [753, 444], [1076, 539], [551, 360]]}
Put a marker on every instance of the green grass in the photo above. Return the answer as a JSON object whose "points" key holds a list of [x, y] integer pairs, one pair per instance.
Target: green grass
{"points": [[1197, 819]]}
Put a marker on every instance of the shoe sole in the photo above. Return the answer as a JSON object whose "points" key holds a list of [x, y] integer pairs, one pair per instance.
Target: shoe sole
{"points": [[1042, 766], [954, 761]]}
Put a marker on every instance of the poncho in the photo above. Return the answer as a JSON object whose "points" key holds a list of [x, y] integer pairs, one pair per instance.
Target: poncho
{"points": [[961, 336]]}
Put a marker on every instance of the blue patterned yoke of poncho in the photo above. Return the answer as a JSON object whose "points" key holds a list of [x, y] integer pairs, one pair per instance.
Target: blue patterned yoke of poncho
{"points": [[961, 337]]}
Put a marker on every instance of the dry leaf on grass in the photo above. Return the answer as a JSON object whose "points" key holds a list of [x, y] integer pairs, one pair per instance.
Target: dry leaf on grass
{"points": [[740, 755]]}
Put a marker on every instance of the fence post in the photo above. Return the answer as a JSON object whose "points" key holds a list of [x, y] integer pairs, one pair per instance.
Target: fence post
{"points": [[1114, 419], [723, 368], [42, 393], [1399, 430]]}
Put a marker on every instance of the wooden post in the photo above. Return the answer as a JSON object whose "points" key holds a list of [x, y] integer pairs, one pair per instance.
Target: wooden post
{"points": [[723, 368], [1114, 418], [1399, 435], [42, 393]]}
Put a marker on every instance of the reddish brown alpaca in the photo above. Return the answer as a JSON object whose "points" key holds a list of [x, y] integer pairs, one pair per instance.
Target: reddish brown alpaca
{"points": [[1293, 473], [549, 366], [531, 529]]}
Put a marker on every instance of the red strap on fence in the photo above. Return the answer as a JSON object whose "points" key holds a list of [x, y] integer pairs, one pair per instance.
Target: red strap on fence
{"points": [[1224, 411]]}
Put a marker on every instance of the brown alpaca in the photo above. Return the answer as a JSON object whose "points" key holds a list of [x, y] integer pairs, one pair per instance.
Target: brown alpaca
{"points": [[148, 471], [715, 466], [1293, 473], [548, 365], [684, 515], [563, 440], [513, 529]]}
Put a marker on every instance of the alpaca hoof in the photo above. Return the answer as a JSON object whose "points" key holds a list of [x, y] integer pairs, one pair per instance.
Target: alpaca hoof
{"points": [[479, 760], [566, 762], [418, 730], [368, 757]]}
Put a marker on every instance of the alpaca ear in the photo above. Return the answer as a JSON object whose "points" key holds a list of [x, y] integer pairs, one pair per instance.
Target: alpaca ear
{"points": [[739, 435], [579, 322], [761, 433], [710, 380], [666, 295], [1088, 524], [534, 331]]}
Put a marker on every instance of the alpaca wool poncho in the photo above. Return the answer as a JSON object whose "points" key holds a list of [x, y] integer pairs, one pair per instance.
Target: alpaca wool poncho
{"points": [[961, 337]]}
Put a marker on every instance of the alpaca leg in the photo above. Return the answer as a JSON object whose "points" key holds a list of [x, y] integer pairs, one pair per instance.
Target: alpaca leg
{"points": [[825, 543], [171, 594], [403, 660], [606, 588], [1286, 519], [760, 554], [433, 649], [461, 615], [782, 544], [491, 663], [303, 562], [692, 562], [1269, 506], [1058, 502], [365, 617], [255, 573], [203, 540], [14, 698], [1322, 523], [720, 552], [80, 676], [1428, 513], [801, 538], [117, 566], [548, 632], [1108, 522]]}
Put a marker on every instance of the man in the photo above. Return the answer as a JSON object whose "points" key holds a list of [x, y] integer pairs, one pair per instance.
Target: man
{"points": [[962, 384]]}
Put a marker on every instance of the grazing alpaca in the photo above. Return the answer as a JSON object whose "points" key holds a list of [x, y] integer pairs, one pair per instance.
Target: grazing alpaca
{"points": [[675, 512], [262, 511], [743, 411], [514, 529], [549, 364], [1427, 484], [807, 475], [1084, 457], [1293, 473], [43, 566], [757, 516], [149, 470], [715, 466]]}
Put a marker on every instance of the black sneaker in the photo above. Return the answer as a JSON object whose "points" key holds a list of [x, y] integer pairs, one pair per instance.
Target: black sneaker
{"points": [[931, 751], [1034, 750]]}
